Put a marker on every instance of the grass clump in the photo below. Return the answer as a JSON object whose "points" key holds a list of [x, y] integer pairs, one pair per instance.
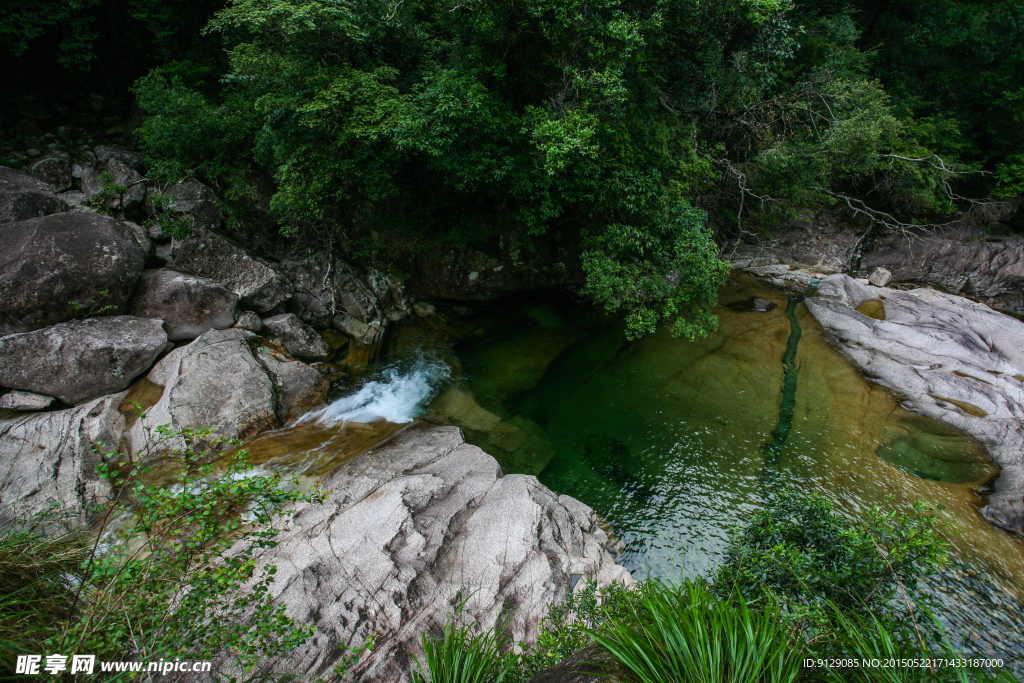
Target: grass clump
{"points": [[685, 634], [460, 655]]}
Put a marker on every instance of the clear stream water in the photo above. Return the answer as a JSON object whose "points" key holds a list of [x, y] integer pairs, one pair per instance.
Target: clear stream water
{"points": [[669, 440]]}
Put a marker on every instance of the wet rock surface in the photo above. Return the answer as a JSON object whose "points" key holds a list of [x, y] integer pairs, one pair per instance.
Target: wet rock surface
{"points": [[83, 359], [188, 305], [47, 460], [950, 358], [300, 387], [56, 267], [410, 529]]}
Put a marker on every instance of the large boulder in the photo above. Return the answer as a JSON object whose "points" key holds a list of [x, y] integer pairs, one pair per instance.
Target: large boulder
{"points": [[206, 254], [298, 338], [188, 305], [23, 197], [950, 358], [47, 462], [80, 360], [300, 387], [55, 172], [409, 530], [188, 199], [95, 179], [214, 381], [331, 293], [55, 267]]}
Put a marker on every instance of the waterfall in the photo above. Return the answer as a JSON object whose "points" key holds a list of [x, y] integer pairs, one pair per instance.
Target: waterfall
{"points": [[398, 394]]}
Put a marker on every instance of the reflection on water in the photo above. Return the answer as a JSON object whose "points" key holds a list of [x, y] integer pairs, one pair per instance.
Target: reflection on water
{"points": [[665, 437]]}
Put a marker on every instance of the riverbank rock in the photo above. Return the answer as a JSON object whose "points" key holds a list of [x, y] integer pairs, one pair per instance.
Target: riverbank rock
{"points": [[819, 242], [83, 359], [331, 293], [214, 381], [206, 254], [23, 197], [55, 267], [410, 529], [298, 338], [949, 358], [300, 387], [25, 400], [188, 305], [188, 199], [960, 260], [47, 461]]}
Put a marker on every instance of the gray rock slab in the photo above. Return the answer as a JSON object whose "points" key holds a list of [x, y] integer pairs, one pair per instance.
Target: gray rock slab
{"points": [[188, 305], [47, 462], [949, 358], [412, 528], [83, 359]]}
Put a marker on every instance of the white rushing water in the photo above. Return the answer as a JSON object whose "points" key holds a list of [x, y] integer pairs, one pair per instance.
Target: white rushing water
{"points": [[397, 394]]}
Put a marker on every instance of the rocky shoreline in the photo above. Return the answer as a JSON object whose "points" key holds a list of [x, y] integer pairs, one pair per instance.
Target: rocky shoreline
{"points": [[101, 319]]}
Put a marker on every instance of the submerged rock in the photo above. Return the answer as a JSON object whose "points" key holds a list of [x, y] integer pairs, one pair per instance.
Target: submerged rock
{"points": [[951, 359], [83, 359], [47, 461], [412, 528], [55, 268]]}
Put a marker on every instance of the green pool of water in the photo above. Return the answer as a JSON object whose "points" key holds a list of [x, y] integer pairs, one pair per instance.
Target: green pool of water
{"points": [[669, 440]]}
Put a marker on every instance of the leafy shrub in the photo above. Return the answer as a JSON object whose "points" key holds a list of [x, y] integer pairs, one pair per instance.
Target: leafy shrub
{"points": [[172, 570], [798, 551]]}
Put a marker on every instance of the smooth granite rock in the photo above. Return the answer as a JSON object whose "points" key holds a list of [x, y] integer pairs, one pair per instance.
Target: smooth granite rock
{"points": [[950, 358], [410, 529], [47, 461], [188, 305], [83, 359]]}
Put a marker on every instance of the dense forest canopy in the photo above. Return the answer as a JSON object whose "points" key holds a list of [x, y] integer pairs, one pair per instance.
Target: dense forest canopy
{"points": [[655, 129]]}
